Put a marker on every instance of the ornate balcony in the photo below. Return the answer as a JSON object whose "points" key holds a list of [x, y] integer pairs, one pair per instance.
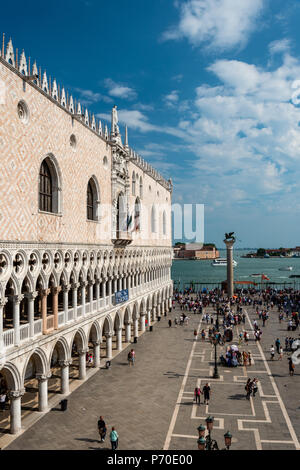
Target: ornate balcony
{"points": [[123, 238]]}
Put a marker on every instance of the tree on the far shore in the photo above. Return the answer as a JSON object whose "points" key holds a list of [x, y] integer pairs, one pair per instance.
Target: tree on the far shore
{"points": [[261, 252]]}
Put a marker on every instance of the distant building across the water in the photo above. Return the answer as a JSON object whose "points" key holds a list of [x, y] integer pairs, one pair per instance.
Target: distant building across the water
{"points": [[186, 251]]}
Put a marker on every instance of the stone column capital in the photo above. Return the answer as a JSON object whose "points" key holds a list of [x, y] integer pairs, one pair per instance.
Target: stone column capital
{"points": [[17, 298], [229, 244], [143, 313], [75, 285], [45, 292], [65, 363], [82, 351], [66, 287], [108, 334], [14, 394], [83, 284], [91, 283], [55, 290], [3, 301], [43, 377], [96, 343], [31, 295]]}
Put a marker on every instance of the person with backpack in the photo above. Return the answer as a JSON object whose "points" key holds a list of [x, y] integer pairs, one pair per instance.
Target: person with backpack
{"points": [[254, 386], [291, 366], [197, 394], [132, 356], [206, 393], [114, 439], [102, 429], [277, 344], [248, 388], [129, 357]]}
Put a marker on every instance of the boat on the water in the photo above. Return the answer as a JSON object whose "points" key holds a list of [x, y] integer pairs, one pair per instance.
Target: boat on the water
{"points": [[255, 275], [222, 262], [286, 268], [294, 275]]}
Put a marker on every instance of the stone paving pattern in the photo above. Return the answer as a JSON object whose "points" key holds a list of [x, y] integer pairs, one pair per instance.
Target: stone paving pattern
{"points": [[139, 401]]}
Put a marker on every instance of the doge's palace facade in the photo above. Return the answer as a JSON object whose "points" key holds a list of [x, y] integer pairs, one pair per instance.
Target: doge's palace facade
{"points": [[85, 239]]}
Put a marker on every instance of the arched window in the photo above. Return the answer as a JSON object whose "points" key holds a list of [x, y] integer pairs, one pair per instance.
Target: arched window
{"points": [[45, 188], [137, 215], [121, 215], [133, 184], [164, 223], [141, 187], [49, 186], [92, 200]]}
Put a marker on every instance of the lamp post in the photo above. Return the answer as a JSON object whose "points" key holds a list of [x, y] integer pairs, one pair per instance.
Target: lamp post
{"points": [[227, 437], [217, 320], [208, 443], [215, 374]]}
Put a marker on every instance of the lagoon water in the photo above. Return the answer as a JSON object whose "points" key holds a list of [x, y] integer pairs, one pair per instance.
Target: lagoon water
{"points": [[203, 272]]}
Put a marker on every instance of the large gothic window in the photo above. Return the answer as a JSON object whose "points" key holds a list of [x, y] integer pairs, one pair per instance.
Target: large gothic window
{"points": [[50, 186], [46, 190], [133, 184], [137, 215], [92, 200], [141, 187]]}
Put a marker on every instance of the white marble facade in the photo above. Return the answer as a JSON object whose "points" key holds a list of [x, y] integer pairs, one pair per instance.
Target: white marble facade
{"points": [[60, 268]]}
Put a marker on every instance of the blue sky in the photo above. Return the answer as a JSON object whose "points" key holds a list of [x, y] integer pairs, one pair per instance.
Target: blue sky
{"points": [[208, 89]]}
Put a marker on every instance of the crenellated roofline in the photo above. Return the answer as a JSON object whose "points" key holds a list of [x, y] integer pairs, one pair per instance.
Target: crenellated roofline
{"points": [[33, 76]]}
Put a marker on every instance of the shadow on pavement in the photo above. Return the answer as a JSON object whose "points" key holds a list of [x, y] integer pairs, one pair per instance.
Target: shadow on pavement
{"points": [[86, 439], [238, 396]]}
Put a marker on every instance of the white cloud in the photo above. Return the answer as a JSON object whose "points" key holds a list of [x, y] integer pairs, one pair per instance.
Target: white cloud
{"points": [[118, 90], [245, 136], [221, 24], [171, 99], [88, 97], [279, 47]]}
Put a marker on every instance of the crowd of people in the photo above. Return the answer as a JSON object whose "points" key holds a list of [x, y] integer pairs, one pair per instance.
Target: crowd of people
{"points": [[230, 313]]}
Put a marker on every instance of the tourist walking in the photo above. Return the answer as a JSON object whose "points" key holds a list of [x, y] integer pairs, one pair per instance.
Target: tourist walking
{"points": [[206, 393], [249, 358], [102, 429], [254, 386], [197, 394], [114, 439], [248, 388], [170, 323], [272, 351], [131, 357], [277, 344], [291, 366], [280, 353], [195, 335]]}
